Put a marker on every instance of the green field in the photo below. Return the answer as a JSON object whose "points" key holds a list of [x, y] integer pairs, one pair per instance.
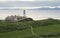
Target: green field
{"points": [[39, 27]]}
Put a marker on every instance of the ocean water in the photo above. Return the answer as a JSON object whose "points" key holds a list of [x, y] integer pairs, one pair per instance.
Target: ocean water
{"points": [[35, 14]]}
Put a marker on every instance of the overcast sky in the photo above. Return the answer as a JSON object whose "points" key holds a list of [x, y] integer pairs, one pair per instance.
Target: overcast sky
{"points": [[25, 4], [29, 4], [29, 0]]}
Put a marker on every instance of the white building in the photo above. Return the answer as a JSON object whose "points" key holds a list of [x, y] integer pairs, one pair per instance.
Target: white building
{"points": [[14, 18]]}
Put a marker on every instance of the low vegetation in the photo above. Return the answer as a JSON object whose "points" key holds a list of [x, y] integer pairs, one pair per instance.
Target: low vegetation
{"points": [[23, 30]]}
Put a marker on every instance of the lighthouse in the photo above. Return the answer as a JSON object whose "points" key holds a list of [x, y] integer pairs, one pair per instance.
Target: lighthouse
{"points": [[24, 13]]}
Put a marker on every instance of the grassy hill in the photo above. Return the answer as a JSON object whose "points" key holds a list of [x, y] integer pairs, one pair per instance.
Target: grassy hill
{"points": [[23, 29]]}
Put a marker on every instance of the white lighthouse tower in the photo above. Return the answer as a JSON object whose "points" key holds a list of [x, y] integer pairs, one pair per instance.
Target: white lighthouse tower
{"points": [[24, 13]]}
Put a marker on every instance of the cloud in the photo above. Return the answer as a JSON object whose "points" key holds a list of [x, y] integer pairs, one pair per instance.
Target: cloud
{"points": [[16, 0], [45, 0], [29, 0], [52, 7], [28, 5]]}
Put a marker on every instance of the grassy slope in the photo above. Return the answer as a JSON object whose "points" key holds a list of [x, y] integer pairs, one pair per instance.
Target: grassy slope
{"points": [[27, 32], [55, 37], [51, 28]]}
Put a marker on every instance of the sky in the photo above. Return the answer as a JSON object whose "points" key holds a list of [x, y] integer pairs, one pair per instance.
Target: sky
{"points": [[6, 5], [28, 4], [29, 0]]}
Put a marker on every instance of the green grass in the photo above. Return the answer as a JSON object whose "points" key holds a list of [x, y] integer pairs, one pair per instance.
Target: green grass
{"points": [[39, 27], [54, 37], [27, 32]]}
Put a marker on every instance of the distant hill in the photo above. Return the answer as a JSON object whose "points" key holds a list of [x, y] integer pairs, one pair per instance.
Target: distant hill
{"points": [[46, 9]]}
